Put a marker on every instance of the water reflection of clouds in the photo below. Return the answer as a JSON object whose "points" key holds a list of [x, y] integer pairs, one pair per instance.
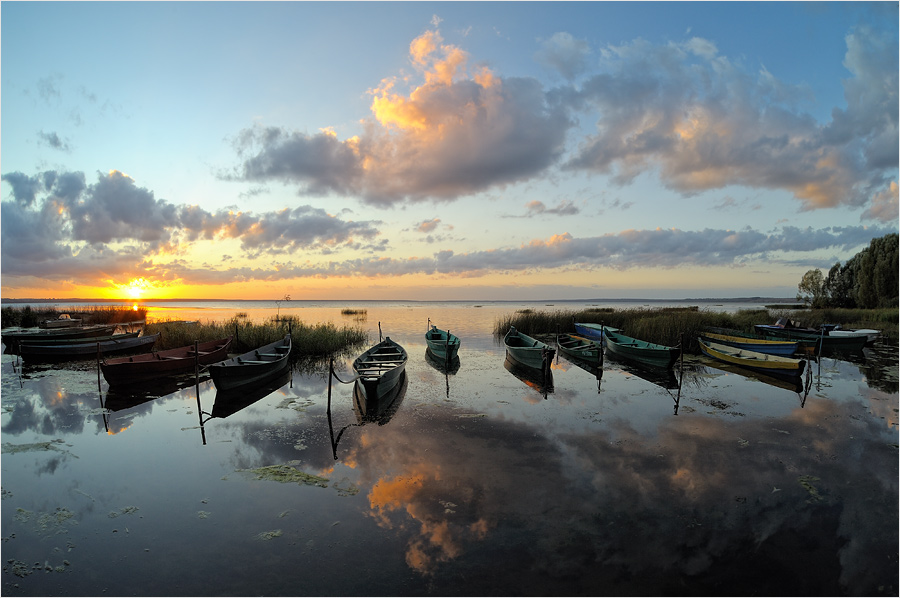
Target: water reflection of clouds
{"points": [[685, 501]]}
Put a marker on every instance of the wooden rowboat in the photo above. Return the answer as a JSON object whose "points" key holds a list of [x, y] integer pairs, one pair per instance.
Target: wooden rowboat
{"points": [[528, 351], [753, 360], [638, 350], [11, 338], [85, 348], [152, 366], [63, 321], [441, 343], [785, 348], [380, 368], [579, 347], [253, 367]]}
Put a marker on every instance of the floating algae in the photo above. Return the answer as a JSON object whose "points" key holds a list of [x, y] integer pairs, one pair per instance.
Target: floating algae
{"points": [[124, 511], [806, 481], [349, 489], [51, 445], [275, 533], [286, 473]]}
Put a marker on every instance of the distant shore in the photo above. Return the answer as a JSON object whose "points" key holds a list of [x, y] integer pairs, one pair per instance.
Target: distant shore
{"points": [[588, 300]]}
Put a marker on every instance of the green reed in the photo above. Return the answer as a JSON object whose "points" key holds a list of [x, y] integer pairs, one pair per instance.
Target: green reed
{"points": [[27, 316], [308, 340]]}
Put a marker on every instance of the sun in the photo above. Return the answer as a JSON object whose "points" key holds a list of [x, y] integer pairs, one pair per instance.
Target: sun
{"points": [[135, 288]]}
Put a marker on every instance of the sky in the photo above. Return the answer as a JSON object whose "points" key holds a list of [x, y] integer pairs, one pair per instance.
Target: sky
{"points": [[432, 151]]}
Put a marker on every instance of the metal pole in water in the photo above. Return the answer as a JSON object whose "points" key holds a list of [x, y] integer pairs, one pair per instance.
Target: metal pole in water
{"points": [[330, 376]]}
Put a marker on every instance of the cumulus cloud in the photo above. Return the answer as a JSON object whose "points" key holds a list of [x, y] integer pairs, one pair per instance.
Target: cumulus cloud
{"points": [[703, 122], [884, 206], [681, 110], [460, 132], [112, 226], [564, 53]]}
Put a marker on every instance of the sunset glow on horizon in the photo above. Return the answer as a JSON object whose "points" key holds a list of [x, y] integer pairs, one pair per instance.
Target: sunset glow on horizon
{"points": [[486, 151]]}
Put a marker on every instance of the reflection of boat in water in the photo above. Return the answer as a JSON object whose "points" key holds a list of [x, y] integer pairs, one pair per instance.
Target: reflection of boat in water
{"points": [[439, 364], [663, 377], [378, 408], [119, 398], [787, 382], [229, 402], [539, 380]]}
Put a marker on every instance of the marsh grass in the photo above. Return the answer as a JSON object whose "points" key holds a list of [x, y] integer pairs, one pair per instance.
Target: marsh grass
{"points": [[308, 341], [669, 326], [28, 317]]}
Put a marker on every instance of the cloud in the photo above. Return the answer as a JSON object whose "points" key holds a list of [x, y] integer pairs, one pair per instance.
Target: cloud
{"points": [[702, 122], [884, 206], [54, 141], [565, 54], [564, 208], [427, 226], [460, 132], [95, 232]]}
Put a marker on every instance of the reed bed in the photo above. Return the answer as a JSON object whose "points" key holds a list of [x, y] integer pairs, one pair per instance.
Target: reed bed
{"points": [[28, 317], [309, 341], [672, 326]]}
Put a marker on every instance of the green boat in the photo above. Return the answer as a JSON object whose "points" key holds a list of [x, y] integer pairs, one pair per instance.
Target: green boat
{"points": [[527, 351], [579, 347], [441, 343], [638, 350]]}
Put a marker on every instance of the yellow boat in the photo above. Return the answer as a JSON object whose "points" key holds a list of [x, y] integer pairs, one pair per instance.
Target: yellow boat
{"points": [[753, 360]]}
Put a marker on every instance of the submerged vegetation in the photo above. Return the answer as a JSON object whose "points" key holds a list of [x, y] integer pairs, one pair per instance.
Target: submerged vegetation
{"points": [[668, 326]]}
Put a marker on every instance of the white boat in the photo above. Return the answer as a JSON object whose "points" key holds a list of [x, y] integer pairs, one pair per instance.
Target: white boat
{"points": [[870, 333]]}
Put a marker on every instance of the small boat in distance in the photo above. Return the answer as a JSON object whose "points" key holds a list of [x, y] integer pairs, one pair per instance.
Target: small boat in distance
{"points": [[785, 348], [811, 339], [528, 351], [152, 366], [638, 350], [63, 321], [253, 367], [870, 333], [380, 368], [753, 360], [442, 344], [579, 347]]}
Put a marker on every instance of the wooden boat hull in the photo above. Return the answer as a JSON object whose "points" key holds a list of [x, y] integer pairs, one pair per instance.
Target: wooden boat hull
{"points": [[442, 343], [253, 367], [12, 338], [86, 348], [579, 347], [753, 360], [528, 351], [378, 408], [785, 348], [172, 362], [812, 339], [380, 368], [642, 351], [64, 321]]}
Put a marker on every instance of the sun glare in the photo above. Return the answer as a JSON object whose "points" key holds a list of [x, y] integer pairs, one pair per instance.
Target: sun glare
{"points": [[135, 288]]}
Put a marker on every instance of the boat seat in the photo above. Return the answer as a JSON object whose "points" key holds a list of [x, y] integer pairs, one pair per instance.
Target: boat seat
{"points": [[253, 361], [269, 354]]}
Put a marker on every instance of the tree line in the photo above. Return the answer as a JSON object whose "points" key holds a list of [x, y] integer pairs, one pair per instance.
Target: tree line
{"points": [[868, 280]]}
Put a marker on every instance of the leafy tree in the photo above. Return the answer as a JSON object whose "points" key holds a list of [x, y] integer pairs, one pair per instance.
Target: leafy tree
{"points": [[812, 289], [839, 286], [868, 280]]}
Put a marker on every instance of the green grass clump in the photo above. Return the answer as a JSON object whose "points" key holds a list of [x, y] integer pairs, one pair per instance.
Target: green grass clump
{"points": [[308, 341], [28, 317]]}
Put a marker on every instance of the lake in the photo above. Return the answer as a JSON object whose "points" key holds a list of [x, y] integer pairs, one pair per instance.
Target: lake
{"points": [[484, 480]]}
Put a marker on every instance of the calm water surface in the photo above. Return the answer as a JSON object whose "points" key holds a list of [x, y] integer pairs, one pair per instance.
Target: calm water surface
{"points": [[480, 481]]}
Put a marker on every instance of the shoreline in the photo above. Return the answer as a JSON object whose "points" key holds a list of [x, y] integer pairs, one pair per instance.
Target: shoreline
{"points": [[587, 300]]}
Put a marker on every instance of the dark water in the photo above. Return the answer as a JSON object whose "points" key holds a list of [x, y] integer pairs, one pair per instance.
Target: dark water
{"points": [[483, 481]]}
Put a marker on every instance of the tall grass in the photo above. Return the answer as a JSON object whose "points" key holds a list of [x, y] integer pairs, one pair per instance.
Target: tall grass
{"points": [[668, 326], [308, 341], [28, 317]]}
